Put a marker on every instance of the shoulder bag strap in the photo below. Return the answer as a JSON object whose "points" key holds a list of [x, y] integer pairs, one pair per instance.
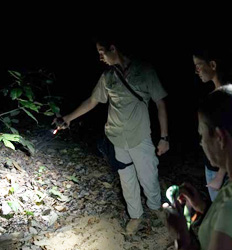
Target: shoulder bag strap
{"points": [[124, 81]]}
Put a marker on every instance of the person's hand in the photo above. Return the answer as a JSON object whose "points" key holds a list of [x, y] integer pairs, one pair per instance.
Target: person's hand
{"points": [[61, 123], [176, 223], [192, 197], [163, 147]]}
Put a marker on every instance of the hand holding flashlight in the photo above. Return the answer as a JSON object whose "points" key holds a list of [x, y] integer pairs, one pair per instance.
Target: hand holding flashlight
{"points": [[193, 197], [60, 123]]}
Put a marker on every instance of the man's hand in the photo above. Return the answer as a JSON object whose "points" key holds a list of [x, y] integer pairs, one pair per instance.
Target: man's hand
{"points": [[163, 147], [61, 123]]}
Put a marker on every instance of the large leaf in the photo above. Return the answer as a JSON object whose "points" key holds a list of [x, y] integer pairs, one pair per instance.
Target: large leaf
{"points": [[10, 137], [30, 114], [30, 105], [16, 93], [8, 144]]}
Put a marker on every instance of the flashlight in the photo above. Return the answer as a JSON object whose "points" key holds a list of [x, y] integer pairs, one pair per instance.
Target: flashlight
{"points": [[55, 131], [59, 123], [172, 194]]}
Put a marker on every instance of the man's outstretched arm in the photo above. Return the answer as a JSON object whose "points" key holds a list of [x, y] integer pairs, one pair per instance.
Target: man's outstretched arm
{"points": [[82, 109]]}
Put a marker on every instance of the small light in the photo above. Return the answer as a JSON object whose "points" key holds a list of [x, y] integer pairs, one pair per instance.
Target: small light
{"points": [[55, 131], [165, 205]]}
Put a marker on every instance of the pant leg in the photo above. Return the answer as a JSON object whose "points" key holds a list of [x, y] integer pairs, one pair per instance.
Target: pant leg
{"points": [[130, 184], [210, 175], [146, 162]]}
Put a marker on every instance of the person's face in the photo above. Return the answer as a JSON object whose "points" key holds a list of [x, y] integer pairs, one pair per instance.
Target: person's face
{"points": [[209, 142], [106, 56], [205, 71]]}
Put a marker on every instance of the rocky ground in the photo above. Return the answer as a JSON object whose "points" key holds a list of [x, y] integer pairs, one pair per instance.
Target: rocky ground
{"points": [[66, 197]]}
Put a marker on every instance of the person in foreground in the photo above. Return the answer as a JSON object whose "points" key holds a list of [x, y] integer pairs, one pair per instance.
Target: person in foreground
{"points": [[215, 128], [213, 65], [128, 125]]}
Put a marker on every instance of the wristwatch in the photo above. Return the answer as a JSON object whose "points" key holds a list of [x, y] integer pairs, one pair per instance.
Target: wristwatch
{"points": [[165, 138]]}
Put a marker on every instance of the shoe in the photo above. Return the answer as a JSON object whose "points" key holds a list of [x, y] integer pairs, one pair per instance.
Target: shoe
{"points": [[133, 226]]}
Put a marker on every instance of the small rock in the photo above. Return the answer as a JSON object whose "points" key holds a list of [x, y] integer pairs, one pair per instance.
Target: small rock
{"points": [[33, 230]]}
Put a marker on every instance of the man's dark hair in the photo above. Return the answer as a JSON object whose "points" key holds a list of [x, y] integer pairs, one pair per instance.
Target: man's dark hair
{"points": [[217, 109], [108, 40], [223, 59]]}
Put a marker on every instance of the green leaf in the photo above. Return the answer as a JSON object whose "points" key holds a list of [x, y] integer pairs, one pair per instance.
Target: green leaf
{"points": [[48, 113], [29, 213], [29, 93], [14, 188], [15, 74], [16, 93], [11, 190], [72, 178], [8, 144], [30, 114], [14, 113], [15, 120], [41, 169], [30, 105], [7, 119], [13, 205], [54, 108], [11, 137]]}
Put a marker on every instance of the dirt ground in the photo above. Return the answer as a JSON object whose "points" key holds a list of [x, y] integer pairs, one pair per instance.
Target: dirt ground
{"points": [[87, 211]]}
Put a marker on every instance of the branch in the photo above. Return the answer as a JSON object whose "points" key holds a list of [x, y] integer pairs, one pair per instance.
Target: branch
{"points": [[9, 111]]}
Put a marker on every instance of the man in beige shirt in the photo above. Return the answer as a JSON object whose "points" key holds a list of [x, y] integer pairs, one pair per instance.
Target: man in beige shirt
{"points": [[128, 125]]}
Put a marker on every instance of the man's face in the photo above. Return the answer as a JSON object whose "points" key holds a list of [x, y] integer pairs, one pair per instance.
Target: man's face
{"points": [[203, 69], [106, 56], [209, 142]]}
